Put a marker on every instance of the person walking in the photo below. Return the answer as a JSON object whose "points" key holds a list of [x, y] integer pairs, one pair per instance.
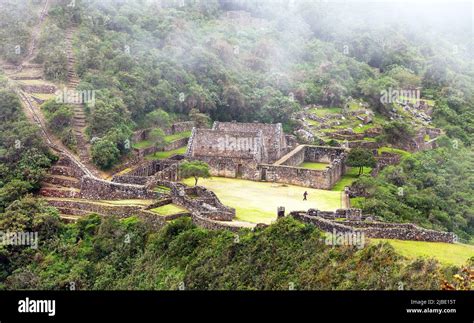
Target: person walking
{"points": [[305, 194]]}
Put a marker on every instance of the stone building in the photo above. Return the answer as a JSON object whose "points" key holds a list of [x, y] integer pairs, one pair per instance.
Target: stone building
{"points": [[236, 149], [262, 152]]}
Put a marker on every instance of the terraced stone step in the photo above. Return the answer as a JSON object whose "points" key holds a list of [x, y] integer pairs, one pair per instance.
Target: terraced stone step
{"points": [[73, 212], [69, 218], [59, 191], [62, 170], [25, 77], [75, 206], [62, 181]]}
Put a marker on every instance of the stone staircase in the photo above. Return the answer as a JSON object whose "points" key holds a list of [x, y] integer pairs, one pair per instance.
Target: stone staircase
{"points": [[79, 124]]}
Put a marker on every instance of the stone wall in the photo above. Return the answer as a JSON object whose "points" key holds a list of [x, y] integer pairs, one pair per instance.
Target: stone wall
{"points": [[43, 88], [212, 224], [272, 134], [372, 229], [298, 176], [140, 135], [384, 160], [286, 171], [82, 208], [364, 144], [315, 154], [232, 167], [198, 200], [151, 167], [98, 189], [130, 179], [294, 158], [180, 127]]}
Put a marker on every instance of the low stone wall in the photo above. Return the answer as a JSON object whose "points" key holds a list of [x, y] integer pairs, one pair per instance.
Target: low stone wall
{"points": [[62, 181], [286, 171], [141, 153], [75, 170], [231, 167], [53, 192], [63, 171], [176, 144], [97, 189], [198, 200], [321, 223], [180, 127], [128, 179], [149, 168], [380, 230], [46, 89], [294, 158], [140, 135], [320, 179], [121, 211], [212, 224], [364, 144], [384, 160]]}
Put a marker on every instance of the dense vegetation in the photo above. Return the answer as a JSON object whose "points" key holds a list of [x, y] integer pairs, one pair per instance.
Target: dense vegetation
{"points": [[24, 158], [112, 254], [434, 188]]}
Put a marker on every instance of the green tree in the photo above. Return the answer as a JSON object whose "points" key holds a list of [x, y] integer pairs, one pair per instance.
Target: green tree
{"points": [[194, 169], [105, 153], [361, 158], [201, 120], [158, 118]]}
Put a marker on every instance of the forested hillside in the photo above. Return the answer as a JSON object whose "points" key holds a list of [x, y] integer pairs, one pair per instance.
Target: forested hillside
{"points": [[150, 65]]}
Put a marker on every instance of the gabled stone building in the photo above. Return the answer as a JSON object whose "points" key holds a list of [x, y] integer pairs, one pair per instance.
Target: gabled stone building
{"points": [[236, 149], [262, 152]]}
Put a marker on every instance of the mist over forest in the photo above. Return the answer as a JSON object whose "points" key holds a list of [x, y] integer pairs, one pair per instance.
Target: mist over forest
{"points": [[325, 70]]}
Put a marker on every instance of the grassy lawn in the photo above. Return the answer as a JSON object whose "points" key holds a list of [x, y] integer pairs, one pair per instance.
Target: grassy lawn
{"points": [[351, 175], [142, 144], [166, 154], [316, 166], [176, 136], [362, 129], [162, 189], [44, 96], [414, 100], [168, 209], [446, 253], [258, 201], [401, 152], [325, 111], [357, 202], [168, 139]]}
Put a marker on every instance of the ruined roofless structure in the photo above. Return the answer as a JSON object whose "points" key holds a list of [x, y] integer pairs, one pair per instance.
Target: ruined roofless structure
{"points": [[262, 152], [235, 149]]}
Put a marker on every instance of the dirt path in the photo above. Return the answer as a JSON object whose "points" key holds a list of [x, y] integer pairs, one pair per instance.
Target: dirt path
{"points": [[32, 46]]}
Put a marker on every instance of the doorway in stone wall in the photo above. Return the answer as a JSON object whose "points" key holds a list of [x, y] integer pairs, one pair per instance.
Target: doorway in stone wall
{"points": [[263, 174], [238, 172], [221, 170]]}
